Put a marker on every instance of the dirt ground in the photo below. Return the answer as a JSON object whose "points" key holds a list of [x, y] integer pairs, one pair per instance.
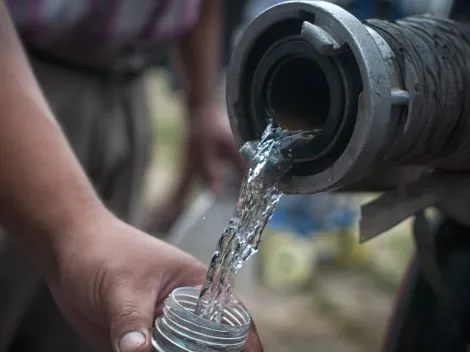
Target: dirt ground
{"points": [[345, 310]]}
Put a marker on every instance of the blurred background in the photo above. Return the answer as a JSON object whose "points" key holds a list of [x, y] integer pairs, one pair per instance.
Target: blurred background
{"points": [[311, 287]]}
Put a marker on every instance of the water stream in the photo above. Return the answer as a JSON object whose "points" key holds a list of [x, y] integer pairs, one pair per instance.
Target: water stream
{"points": [[258, 199]]}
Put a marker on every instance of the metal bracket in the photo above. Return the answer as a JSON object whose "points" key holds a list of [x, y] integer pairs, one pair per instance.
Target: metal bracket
{"points": [[450, 193]]}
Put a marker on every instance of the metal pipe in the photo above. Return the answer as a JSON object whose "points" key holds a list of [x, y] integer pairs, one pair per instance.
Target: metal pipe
{"points": [[311, 65]]}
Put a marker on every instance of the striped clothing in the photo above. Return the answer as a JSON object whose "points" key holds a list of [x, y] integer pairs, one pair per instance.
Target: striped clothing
{"points": [[98, 31]]}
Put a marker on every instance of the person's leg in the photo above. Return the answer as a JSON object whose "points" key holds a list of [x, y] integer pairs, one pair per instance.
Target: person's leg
{"points": [[126, 151]]}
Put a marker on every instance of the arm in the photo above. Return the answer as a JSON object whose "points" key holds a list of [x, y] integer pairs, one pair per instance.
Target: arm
{"points": [[43, 190], [196, 55]]}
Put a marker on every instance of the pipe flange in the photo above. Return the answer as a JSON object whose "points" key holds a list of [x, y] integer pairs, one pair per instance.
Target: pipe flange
{"points": [[333, 29]]}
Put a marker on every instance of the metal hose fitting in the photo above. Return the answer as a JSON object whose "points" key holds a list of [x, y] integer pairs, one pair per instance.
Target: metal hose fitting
{"points": [[374, 91]]}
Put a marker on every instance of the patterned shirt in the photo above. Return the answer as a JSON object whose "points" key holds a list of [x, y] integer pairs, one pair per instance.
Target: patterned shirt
{"points": [[99, 31]]}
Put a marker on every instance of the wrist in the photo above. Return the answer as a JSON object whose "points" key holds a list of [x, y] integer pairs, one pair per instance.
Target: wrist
{"points": [[194, 105], [202, 111], [65, 234]]}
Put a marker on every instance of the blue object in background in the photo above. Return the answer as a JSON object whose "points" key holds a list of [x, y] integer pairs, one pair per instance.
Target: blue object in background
{"points": [[342, 218], [309, 215], [364, 9], [303, 226]]}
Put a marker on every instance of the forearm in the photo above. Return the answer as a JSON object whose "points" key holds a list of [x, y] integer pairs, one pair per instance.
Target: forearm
{"points": [[43, 190], [196, 55]]}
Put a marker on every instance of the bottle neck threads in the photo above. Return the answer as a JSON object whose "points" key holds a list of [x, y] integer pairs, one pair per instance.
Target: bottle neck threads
{"points": [[179, 329]]}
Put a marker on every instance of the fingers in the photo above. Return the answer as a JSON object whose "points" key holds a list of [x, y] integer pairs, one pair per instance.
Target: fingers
{"points": [[253, 342], [131, 320]]}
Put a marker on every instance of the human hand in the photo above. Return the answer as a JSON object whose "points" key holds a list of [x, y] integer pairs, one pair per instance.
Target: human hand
{"points": [[210, 143], [113, 279]]}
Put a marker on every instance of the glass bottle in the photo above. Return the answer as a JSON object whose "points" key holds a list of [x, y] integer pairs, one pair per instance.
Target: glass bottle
{"points": [[180, 330]]}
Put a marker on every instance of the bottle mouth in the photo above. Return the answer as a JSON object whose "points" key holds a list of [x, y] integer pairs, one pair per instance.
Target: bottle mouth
{"points": [[185, 299], [181, 329]]}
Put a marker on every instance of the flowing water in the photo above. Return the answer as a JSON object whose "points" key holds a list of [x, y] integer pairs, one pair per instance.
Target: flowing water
{"points": [[258, 198]]}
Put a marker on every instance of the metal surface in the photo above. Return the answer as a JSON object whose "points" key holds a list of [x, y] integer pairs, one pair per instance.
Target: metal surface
{"points": [[409, 112], [446, 191], [381, 112], [392, 208]]}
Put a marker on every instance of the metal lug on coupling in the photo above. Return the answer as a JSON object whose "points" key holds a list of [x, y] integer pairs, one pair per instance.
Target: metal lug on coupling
{"points": [[322, 41], [292, 144], [400, 97], [393, 207], [248, 150]]}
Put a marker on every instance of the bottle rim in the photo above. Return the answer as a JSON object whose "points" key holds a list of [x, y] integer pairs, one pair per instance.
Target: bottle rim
{"points": [[179, 325], [186, 298]]}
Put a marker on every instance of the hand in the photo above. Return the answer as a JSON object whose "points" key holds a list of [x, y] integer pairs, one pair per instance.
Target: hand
{"points": [[112, 279], [210, 143]]}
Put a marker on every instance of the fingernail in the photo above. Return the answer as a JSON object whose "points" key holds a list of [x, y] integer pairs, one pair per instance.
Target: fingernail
{"points": [[131, 342]]}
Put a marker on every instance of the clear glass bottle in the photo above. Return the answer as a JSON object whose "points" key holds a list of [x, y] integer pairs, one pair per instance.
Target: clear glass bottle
{"points": [[180, 330]]}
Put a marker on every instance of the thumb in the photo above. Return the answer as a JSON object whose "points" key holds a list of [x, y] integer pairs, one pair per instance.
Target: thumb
{"points": [[131, 321]]}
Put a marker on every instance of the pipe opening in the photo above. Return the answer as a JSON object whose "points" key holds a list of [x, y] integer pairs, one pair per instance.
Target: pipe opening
{"points": [[299, 95]]}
